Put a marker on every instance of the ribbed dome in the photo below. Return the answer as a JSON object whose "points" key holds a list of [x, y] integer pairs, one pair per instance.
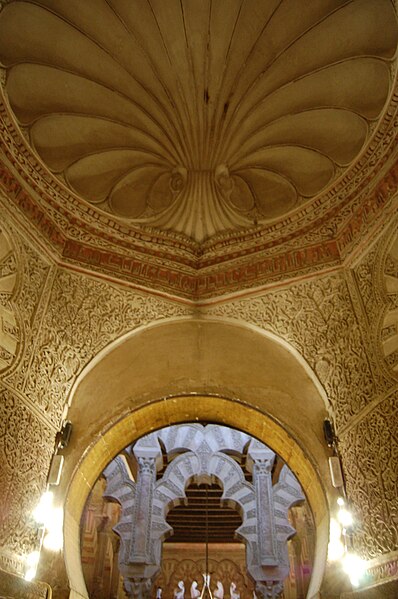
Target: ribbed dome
{"points": [[198, 116]]}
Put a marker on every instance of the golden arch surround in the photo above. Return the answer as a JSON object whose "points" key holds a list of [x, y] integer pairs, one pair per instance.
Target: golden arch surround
{"points": [[180, 409]]}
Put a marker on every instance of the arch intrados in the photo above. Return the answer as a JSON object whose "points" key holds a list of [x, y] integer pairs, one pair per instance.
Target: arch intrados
{"points": [[218, 455], [178, 410], [265, 335], [231, 503]]}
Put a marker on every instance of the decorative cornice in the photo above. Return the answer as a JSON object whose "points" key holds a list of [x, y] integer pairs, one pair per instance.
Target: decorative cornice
{"points": [[383, 568], [318, 237]]}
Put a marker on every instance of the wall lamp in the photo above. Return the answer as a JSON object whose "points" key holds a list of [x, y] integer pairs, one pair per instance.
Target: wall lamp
{"points": [[47, 517], [340, 533]]}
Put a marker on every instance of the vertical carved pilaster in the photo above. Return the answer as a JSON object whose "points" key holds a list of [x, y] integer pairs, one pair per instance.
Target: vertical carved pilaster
{"points": [[267, 542], [115, 569], [140, 551]]}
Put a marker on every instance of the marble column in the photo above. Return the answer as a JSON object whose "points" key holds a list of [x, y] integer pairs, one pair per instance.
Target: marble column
{"points": [[140, 550], [266, 533]]}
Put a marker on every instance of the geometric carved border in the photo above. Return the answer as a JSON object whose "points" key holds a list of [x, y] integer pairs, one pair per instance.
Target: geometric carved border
{"points": [[389, 320]]}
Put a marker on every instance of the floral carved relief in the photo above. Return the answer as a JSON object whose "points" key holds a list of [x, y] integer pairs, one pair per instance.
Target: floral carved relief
{"points": [[188, 570], [35, 281], [26, 442], [370, 456], [82, 317], [368, 305], [26, 446], [375, 297], [317, 319]]}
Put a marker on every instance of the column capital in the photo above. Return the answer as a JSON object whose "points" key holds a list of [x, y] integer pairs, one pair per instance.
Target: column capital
{"points": [[147, 465], [138, 588], [263, 466], [269, 589]]}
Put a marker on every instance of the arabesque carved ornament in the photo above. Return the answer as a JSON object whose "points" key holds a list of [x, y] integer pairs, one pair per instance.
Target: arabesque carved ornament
{"points": [[370, 454], [26, 447], [389, 324], [82, 317], [9, 326], [317, 319]]}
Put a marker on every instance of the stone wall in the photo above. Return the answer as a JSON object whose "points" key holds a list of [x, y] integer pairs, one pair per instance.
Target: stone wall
{"points": [[54, 321]]}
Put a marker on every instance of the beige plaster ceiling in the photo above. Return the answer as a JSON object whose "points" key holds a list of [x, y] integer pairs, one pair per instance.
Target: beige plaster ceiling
{"points": [[201, 116]]}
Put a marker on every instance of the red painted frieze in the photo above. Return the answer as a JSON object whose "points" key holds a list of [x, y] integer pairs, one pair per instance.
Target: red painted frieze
{"points": [[194, 274]]}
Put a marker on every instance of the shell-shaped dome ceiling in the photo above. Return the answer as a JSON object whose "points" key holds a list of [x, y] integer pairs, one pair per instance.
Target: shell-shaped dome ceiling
{"points": [[198, 116]]}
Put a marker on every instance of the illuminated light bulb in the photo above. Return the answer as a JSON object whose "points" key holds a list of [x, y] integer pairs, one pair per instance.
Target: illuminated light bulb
{"points": [[53, 541], [340, 501], [55, 519], [335, 550], [335, 529], [43, 508], [345, 517], [355, 567]]}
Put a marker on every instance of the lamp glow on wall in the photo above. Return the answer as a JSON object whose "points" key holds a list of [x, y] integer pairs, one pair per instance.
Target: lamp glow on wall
{"points": [[32, 561], [353, 565], [50, 520]]}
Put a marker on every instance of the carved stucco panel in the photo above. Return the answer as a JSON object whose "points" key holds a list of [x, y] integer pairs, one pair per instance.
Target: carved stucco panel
{"points": [[388, 333], [35, 280], [317, 319], [26, 446], [374, 291], [364, 275], [10, 330], [24, 282], [83, 316], [370, 457]]}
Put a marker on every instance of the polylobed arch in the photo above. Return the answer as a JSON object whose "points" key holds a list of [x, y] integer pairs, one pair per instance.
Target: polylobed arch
{"points": [[180, 409], [188, 437], [190, 467], [132, 389], [202, 458]]}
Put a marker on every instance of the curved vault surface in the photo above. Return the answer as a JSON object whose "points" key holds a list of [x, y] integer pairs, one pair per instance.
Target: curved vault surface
{"points": [[194, 116], [195, 149]]}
